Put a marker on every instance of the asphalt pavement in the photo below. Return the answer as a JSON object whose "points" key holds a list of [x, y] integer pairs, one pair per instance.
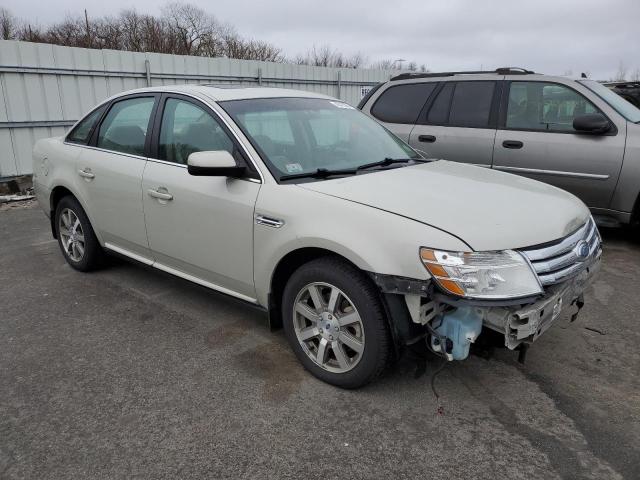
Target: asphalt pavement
{"points": [[130, 373]]}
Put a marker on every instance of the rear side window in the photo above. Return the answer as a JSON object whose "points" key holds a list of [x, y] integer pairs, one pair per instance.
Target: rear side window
{"points": [[402, 103], [439, 111], [471, 104], [82, 132], [124, 128], [463, 104]]}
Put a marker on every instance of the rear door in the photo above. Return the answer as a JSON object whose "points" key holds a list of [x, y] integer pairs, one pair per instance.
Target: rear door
{"points": [[398, 106], [536, 139], [110, 169], [460, 123]]}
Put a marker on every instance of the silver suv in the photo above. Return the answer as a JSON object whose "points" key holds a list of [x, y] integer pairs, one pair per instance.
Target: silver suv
{"points": [[575, 134]]}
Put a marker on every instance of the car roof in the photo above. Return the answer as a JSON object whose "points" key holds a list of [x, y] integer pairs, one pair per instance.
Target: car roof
{"points": [[228, 92]]}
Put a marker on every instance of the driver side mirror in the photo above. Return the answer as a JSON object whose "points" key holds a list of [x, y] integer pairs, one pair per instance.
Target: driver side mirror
{"points": [[591, 123], [214, 163]]}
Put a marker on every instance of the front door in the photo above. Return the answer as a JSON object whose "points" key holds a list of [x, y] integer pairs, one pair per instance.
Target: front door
{"points": [[110, 171], [200, 228], [536, 139]]}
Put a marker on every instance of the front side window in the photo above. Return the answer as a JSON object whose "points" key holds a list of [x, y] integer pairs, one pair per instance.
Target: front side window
{"points": [[186, 128], [81, 133], [545, 106], [402, 103], [124, 128], [302, 135]]}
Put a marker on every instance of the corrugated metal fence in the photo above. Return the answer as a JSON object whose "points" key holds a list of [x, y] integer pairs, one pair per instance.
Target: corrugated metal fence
{"points": [[46, 88]]}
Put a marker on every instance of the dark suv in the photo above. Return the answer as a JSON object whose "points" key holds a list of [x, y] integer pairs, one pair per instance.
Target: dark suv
{"points": [[630, 91]]}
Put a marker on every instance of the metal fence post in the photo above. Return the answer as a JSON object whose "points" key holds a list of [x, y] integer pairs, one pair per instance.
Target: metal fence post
{"points": [[339, 83], [147, 69], [259, 76]]}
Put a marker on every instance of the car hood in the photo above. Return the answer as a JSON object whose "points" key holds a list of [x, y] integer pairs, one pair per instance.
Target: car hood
{"points": [[487, 209]]}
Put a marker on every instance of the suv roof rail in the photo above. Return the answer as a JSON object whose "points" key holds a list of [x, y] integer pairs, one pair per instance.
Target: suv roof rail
{"points": [[497, 71]]}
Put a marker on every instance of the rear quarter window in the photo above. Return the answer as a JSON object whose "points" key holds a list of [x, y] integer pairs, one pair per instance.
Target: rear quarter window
{"points": [[402, 103]]}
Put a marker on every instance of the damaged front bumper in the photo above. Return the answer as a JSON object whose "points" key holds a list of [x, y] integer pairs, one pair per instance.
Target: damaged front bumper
{"points": [[527, 322], [456, 323]]}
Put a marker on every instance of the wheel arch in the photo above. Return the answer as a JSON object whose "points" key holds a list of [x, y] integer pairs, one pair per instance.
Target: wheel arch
{"points": [[395, 309], [283, 270], [58, 193]]}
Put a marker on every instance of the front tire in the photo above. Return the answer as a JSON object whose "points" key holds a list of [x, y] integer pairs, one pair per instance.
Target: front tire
{"points": [[76, 237], [335, 322]]}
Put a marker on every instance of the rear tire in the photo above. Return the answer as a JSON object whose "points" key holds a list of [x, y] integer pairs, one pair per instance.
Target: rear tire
{"points": [[334, 319], [76, 237]]}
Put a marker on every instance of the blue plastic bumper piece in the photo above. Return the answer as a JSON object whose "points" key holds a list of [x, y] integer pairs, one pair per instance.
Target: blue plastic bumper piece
{"points": [[462, 327]]}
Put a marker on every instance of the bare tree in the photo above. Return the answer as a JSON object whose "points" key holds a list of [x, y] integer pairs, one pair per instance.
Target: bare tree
{"points": [[8, 25], [326, 56], [71, 31], [388, 64], [621, 74], [635, 77], [194, 29], [182, 28], [237, 47]]}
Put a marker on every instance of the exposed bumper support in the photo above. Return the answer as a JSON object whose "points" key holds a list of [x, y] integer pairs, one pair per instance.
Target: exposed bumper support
{"points": [[527, 323]]}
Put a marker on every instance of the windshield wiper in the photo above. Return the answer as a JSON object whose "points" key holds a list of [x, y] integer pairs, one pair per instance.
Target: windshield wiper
{"points": [[320, 173], [390, 161]]}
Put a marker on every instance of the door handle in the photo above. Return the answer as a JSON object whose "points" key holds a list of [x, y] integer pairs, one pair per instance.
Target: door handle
{"points": [[512, 144], [427, 138], [159, 195], [86, 173]]}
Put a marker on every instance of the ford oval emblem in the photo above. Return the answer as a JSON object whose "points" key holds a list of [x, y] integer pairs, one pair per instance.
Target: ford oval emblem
{"points": [[582, 250]]}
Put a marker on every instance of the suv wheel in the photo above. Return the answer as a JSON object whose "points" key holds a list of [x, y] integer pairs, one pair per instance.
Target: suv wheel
{"points": [[335, 323], [76, 238]]}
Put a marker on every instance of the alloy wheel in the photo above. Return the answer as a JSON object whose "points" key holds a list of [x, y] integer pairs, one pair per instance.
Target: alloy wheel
{"points": [[71, 235], [328, 327]]}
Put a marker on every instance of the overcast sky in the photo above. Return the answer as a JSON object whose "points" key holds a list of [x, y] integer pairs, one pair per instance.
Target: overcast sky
{"points": [[549, 36]]}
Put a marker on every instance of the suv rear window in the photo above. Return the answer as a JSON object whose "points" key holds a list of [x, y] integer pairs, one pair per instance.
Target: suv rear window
{"points": [[469, 107], [471, 104], [402, 103], [439, 111]]}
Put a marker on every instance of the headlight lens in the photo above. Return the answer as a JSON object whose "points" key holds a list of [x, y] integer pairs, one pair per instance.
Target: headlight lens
{"points": [[487, 275]]}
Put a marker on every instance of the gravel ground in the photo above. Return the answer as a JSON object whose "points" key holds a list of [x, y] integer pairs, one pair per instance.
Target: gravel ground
{"points": [[129, 373]]}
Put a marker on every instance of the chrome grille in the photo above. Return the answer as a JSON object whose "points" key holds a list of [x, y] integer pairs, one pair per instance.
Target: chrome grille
{"points": [[565, 258]]}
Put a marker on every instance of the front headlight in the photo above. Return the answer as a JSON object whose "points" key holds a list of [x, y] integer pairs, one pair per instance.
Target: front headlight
{"points": [[486, 275]]}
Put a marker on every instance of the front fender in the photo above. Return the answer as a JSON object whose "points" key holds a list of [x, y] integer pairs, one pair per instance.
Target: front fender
{"points": [[373, 240]]}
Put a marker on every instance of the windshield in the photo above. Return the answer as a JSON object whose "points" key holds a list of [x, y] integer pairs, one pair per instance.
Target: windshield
{"points": [[619, 104], [301, 135]]}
